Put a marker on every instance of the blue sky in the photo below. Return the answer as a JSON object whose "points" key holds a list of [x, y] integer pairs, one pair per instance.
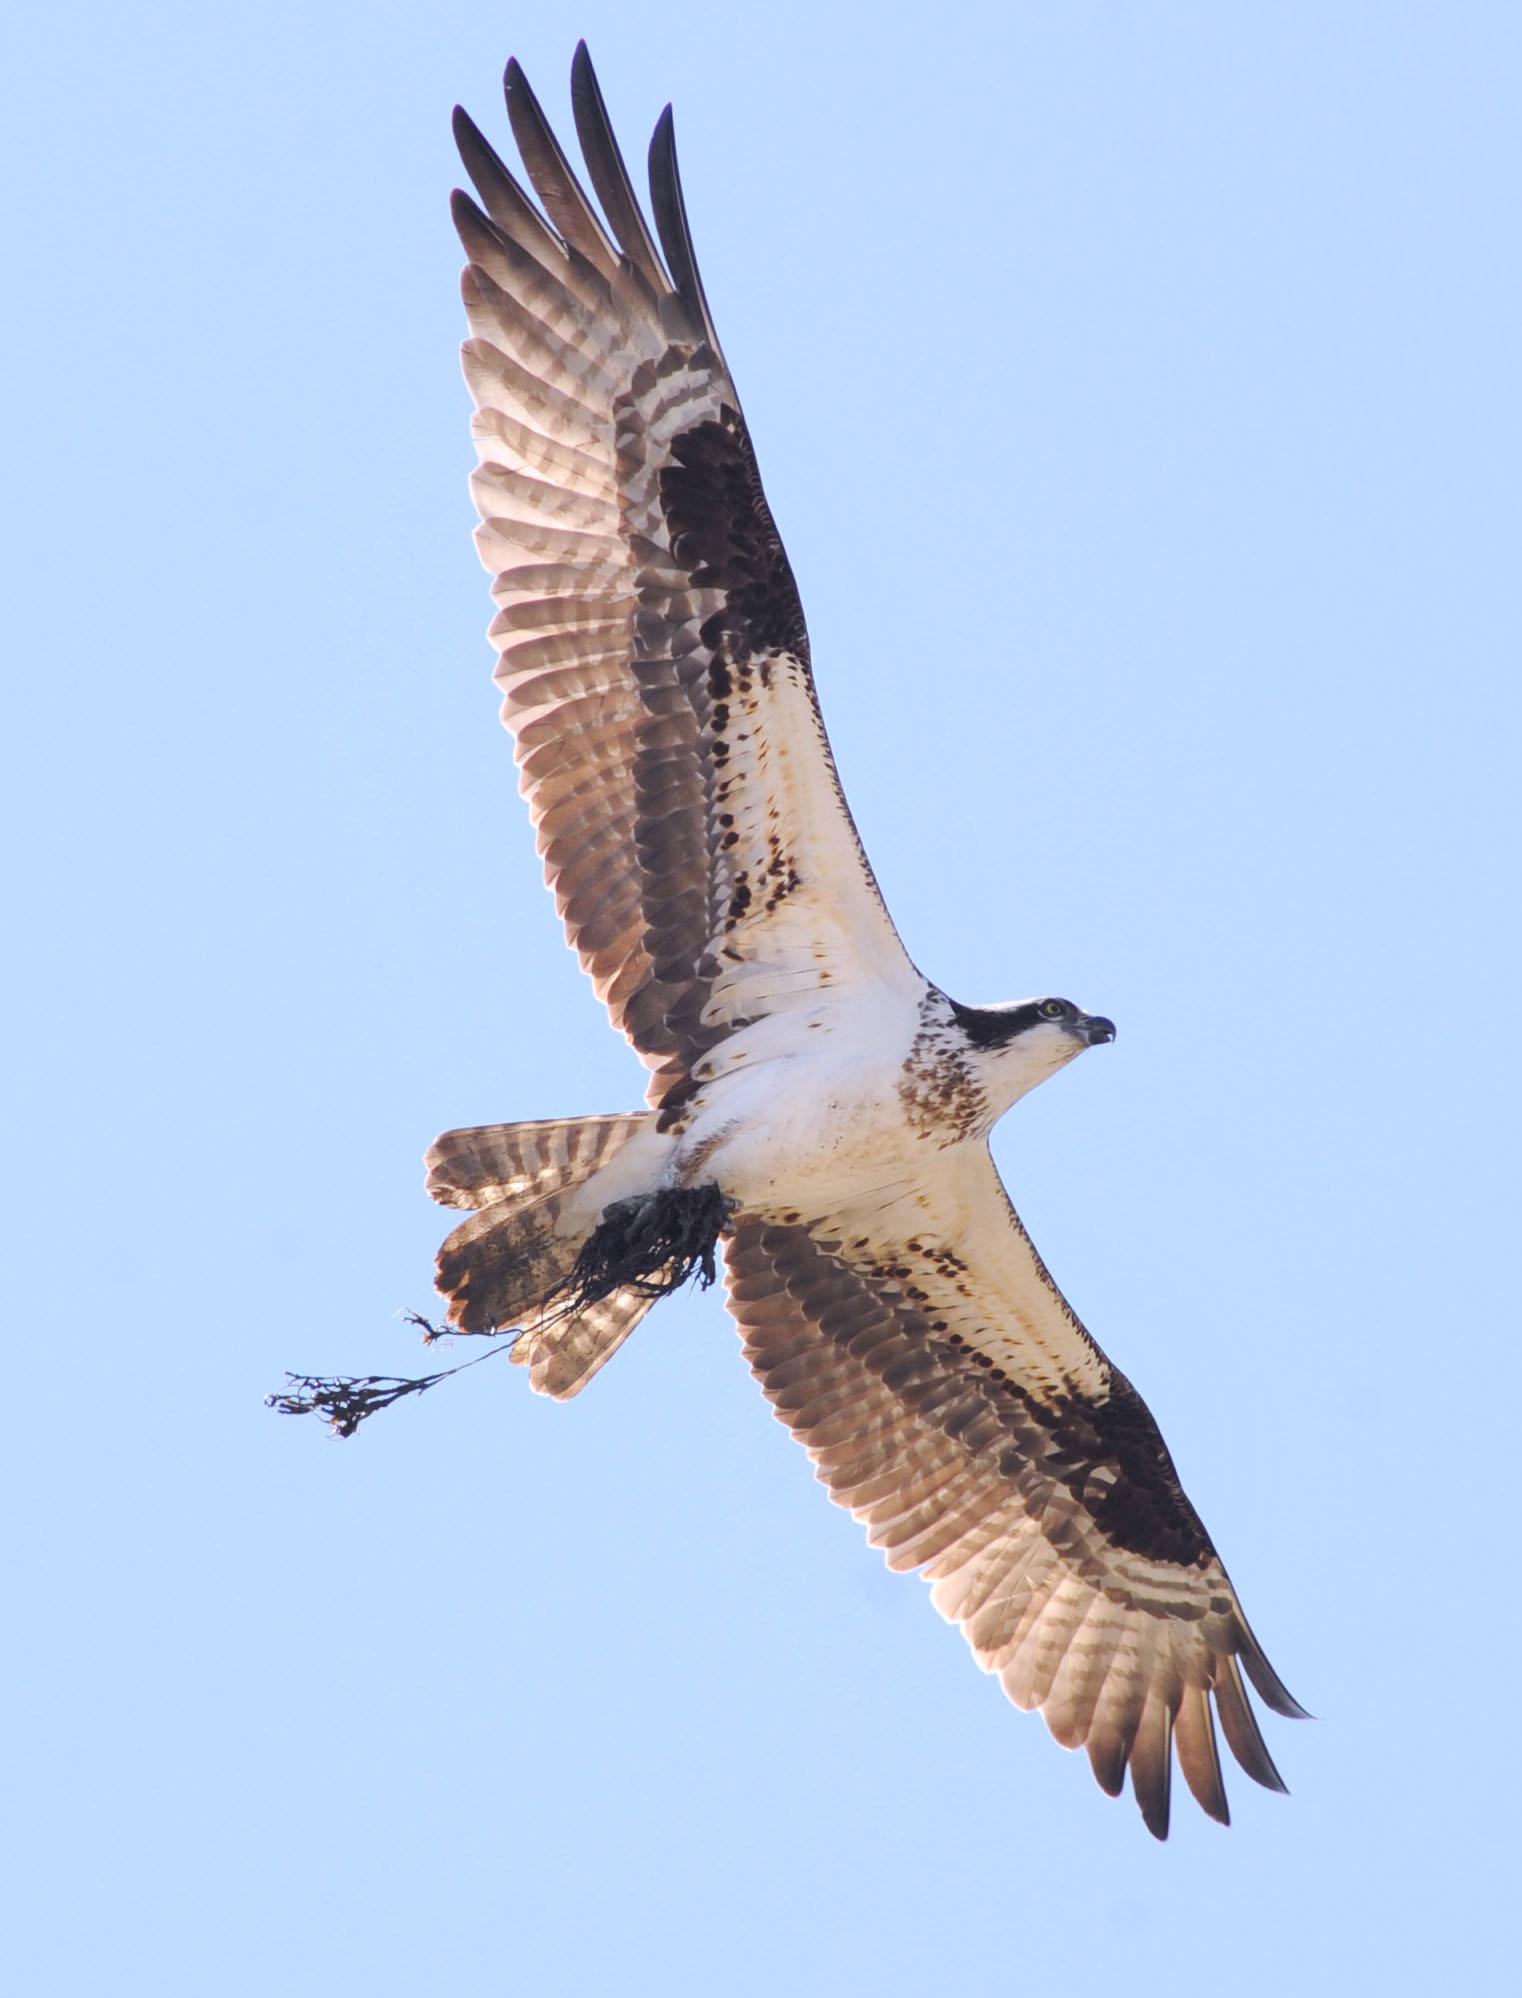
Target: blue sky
{"points": [[1136, 386]]}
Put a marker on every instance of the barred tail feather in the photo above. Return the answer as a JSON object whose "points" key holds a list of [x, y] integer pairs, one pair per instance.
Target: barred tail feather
{"points": [[511, 1264], [488, 1163], [563, 1356]]}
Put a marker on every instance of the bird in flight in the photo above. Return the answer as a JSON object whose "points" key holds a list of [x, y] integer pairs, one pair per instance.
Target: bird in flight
{"points": [[816, 1105]]}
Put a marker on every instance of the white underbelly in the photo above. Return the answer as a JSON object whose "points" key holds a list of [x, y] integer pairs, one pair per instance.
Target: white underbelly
{"points": [[799, 1131]]}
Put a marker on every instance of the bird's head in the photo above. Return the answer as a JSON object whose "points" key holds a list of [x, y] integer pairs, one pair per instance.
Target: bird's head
{"points": [[1016, 1046]]}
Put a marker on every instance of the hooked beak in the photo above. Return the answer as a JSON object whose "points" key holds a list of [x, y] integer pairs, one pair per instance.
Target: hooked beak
{"points": [[1093, 1029]]}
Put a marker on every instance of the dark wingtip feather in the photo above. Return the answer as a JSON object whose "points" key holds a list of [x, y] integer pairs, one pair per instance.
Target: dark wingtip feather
{"points": [[463, 207], [1198, 1756], [550, 174], [473, 227], [1152, 1765], [610, 177], [1154, 1809], [1271, 1689], [472, 143], [1240, 1726], [1107, 1759], [671, 225], [503, 200]]}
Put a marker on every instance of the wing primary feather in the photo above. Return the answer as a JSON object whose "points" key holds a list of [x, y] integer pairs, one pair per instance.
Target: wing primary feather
{"points": [[549, 171], [671, 220], [480, 236], [1198, 1755], [501, 196], [1107, 1759], [610, 177], [1240, 1727], [1152, 1763], [1271, 1689]]}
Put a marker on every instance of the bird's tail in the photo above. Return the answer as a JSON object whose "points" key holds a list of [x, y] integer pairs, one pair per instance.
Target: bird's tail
{"points": [[514, 1263]]}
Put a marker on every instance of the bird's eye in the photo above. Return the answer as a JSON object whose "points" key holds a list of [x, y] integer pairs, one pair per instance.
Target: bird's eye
{"points": [[1054, 1009]]}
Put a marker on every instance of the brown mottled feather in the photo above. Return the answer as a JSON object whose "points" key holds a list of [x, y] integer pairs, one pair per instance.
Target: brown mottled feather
{"points": [[1051, 1522], [486, 1163], [501, 1267], [654, 661]]}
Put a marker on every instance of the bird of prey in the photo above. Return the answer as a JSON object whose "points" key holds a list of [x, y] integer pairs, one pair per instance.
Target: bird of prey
{"points": [[815, 1104]]}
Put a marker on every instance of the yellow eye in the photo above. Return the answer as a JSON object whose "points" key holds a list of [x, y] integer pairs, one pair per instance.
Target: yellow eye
{"points": [[1053, 1009]]}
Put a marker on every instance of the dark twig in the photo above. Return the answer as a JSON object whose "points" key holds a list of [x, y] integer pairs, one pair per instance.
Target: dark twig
{"points": [[652, 1245], [345, 1400]]}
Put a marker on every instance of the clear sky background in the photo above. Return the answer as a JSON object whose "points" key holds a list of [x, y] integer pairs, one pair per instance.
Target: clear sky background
{"points": [[1137, 388]]}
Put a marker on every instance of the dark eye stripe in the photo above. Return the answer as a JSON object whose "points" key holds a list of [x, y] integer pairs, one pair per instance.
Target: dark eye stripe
{"points": [[996, 1027]]}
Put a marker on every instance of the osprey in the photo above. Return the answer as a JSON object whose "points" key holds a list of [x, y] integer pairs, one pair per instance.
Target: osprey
{"points": [[813, 1099]]}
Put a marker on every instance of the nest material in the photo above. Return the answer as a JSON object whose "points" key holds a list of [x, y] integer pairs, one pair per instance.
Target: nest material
{"points": [[652, 1245], [344, 1401]]}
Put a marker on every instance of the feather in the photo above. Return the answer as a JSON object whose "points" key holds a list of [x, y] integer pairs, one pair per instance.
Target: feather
{"points": [[610, 178]]}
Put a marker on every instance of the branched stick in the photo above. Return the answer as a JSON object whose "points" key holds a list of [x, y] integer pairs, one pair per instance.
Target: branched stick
{"points": [[652, 1246], [345, 1400]]}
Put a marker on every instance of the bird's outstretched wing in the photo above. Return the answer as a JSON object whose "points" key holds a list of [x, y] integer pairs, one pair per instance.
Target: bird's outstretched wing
{"points": [[952, 1400], [654, 659]]}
